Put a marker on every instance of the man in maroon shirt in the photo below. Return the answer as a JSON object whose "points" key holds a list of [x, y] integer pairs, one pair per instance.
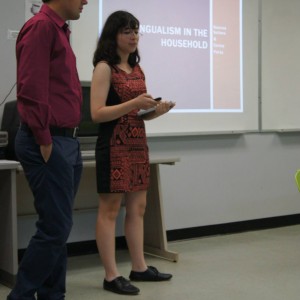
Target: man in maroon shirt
{"points": [[49, 104]]}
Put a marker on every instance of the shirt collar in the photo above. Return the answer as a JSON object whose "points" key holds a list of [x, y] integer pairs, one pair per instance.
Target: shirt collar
{"points": [[53, 15]]}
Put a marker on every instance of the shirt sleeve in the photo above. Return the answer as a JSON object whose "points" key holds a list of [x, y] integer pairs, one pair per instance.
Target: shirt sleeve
{"points": [[33, 78]]}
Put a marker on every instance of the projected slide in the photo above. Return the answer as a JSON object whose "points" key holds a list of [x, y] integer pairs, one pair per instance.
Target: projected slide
{"points": [[191, 51]]}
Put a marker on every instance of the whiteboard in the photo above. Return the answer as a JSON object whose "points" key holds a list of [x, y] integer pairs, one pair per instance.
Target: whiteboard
{"points": [[84, 37], [280, 69]]}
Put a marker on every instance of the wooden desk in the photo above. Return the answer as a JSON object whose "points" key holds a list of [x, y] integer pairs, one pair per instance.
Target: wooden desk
{"points": [[155, 238], [155, 241]]}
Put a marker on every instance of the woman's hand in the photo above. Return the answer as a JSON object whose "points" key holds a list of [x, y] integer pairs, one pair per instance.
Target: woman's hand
{"points": [[163, 107], [144, 101]]}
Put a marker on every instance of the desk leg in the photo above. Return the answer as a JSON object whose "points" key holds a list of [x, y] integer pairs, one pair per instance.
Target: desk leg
{"points": [[8, 225], [155, 240]]}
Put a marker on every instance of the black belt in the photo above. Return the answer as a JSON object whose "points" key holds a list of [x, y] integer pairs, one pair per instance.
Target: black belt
{"points": [[55, 131]]}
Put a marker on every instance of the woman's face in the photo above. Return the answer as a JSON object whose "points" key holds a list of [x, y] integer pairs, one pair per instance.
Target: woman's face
{"points": [[127, 40]]}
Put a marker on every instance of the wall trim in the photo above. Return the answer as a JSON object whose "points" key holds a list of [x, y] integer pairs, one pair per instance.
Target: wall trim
{"points": [[234, 227], [90, 247]]}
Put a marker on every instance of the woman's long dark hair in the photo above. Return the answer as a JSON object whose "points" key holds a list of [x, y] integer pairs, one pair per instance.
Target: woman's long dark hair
{"points": [[107, 44]]}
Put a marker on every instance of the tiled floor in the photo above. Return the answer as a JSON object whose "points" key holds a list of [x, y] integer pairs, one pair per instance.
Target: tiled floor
{"points": [[258, 265]]}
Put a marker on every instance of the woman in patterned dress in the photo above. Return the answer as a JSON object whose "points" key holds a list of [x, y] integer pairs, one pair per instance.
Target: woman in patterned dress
{"points": [[118, 92]]}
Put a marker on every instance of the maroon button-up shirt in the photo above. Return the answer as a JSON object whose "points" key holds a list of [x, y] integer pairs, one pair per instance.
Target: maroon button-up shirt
{"points": [[48, 88]]}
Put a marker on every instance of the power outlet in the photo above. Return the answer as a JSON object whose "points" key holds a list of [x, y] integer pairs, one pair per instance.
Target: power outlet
{"points": [[12, 34]]}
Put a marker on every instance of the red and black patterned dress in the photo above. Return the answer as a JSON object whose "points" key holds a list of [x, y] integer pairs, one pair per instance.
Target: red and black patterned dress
{"points": [[122, 159]]}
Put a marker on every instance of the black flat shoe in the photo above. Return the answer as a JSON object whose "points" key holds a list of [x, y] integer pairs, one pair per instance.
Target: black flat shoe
{"points": [[120, 285], [151, 274]]}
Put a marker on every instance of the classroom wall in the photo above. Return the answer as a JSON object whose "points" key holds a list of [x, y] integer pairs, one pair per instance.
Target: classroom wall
{"points": [[12, 17], [220, 178]]}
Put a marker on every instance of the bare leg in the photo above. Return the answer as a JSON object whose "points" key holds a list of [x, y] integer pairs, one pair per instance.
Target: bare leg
{"points": [[109, 206], [134, 231], [134, 228]]}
